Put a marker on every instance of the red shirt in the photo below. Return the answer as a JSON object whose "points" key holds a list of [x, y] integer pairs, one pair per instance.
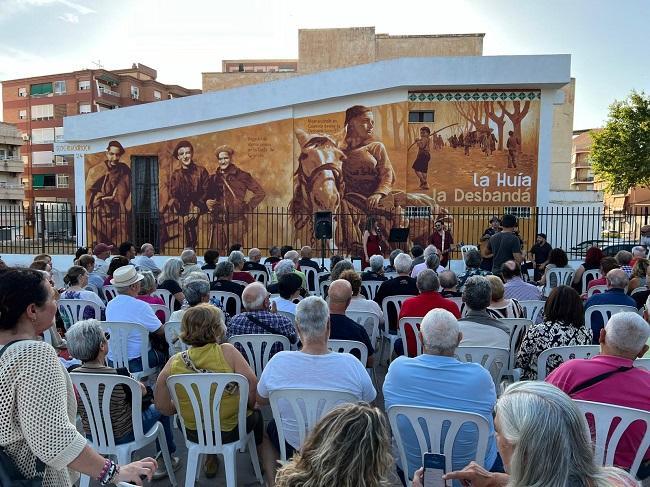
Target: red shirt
{"points": [[420, 306], [436, 239], [601, 281], [629, 389], [243, 276]]}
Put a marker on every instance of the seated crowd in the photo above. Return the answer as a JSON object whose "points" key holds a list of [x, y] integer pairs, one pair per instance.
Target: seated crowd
{"points": [[197, 316]]}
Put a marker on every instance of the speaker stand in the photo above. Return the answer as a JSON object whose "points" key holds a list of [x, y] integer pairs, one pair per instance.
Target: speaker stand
{"points": [[322, 255]]}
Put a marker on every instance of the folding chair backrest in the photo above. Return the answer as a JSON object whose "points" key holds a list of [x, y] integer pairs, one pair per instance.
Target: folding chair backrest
{"points": [[257, 348], [369, 321], [606, 311], [411, 323], [172, 336], [639, 289], [307, 406], [588, 276], [93, 288], [643, 363], [324, 286], [493, 359], [118, 344], [161, 309], [109, 291], [73, 310], [566, 353], [205, 392], [209, 273], [558, 276], [167, 297], [602, 416], [371, 288], [348, 346], [518, 327], [391, 306], [311, 275], [596, 290], [95, 391], [428, 424], [231, 302], [463, 251], [532, 308], [260, 276]]}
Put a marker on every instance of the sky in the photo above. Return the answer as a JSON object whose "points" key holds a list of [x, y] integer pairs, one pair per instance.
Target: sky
{"points": [[608, 40]]}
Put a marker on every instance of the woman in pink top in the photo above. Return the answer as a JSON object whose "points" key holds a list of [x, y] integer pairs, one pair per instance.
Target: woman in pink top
{"points": [[147, 287]]}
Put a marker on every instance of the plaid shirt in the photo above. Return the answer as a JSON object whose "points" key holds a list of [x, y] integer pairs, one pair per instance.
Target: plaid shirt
{"points": [[469, 272], [241, 325]]}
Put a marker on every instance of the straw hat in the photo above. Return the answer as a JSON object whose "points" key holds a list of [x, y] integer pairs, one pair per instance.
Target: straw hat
{"points": [[125, 276]]}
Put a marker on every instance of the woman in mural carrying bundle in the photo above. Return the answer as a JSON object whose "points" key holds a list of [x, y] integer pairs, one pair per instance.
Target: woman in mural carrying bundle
{"points": [[187, 191], [421, 163], [226, 200], [108, 196]]}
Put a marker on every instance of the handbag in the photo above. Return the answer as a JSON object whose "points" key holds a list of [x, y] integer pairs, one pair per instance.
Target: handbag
{"points": [[10, 476]]}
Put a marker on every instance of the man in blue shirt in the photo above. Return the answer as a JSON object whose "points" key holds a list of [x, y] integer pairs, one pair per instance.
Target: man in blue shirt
{"points": [[437, 379], [617, 281]]}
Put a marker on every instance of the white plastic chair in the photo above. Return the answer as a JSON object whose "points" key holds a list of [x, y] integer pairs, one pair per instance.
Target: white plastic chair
{"points": [[269, 267], [109, 291], [412, 323], [162, 308], [603, 416], [229, 301], [324, 286], [303, 408], [391, 306], [591, 274], [260, 276], [73, 309], [566, 353], [93, 288], [257, 348], [428, 424], [643, 363], [47, 337], [463, 250], [559, 276], [167, 297], [639, 289], [241, 283], [205, 392], [118, 343], [458, 301], [209, 273], [290, 316], [369, 321], [348, 346], [311, 275], [606, 311], [100, 422], [371, 288], [172, 336], [493, 359], [518, 327], [532, 308], [596, 290]]}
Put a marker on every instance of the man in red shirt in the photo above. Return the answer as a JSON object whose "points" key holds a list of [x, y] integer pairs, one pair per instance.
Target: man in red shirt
{"points": [[443, 241], [428, 299], [621, 341]]}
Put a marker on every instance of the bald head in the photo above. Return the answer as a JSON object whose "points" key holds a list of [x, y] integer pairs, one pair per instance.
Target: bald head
{"points": [[340, 294], [254, 254], [617, 279], [254, 297], [305, 252]]}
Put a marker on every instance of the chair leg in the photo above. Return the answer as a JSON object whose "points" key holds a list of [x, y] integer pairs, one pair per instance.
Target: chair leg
{"points": [[192, 467], [84, 481], [166, 456], [252, 449], [230, 465]]}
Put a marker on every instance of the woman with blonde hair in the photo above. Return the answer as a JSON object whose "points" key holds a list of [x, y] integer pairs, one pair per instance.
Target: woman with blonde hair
{"points": [[639, 275], [349, 447], [499, 306]]}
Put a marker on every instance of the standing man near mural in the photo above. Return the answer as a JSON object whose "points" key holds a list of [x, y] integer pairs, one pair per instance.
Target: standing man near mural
{"points": [[108, 196], [226, 200], [187, 192], [512, 145]]}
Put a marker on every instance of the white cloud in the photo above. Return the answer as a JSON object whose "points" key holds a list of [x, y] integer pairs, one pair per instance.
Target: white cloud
{"points": [[16, 7], [69, 17]]}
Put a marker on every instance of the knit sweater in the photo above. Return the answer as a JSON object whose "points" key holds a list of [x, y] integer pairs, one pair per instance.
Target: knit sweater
{"points": [[37, 412]]}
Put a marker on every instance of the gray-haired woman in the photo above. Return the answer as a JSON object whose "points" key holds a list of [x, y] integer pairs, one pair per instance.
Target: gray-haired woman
{"points": [[170, 279], [196, 291], [148, 286]]}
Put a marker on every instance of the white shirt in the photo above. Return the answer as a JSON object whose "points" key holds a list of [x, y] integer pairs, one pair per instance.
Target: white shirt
{"points": [[144, 263], [420, 267], [329, 372], [101, 266], [359, 303], [127, 309], [480, 335], [285, 305]]}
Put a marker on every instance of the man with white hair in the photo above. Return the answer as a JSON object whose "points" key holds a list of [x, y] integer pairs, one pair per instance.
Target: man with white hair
{"points": [[638, 252], [403, 284], [306, 260], [257, 318], [285, 266], [611, 378], [428, 263], [144, 261], [188, 256], [479, 328], [376, 272], [449, 284], [312, 367], [617, 281], [253, 262], [437, 379]]}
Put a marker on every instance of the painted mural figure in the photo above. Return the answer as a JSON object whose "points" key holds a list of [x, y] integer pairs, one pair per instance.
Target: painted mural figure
{"points": [[187, 191], [109, 195], [421, 163], [226, 200], [512, 145]]}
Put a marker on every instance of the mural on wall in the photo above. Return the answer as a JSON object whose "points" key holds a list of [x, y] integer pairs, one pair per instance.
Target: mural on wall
{"points": [[260, 185], [480, 149]]}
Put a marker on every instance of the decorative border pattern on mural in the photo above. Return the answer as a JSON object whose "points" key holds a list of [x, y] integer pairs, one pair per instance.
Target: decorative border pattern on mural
{"points": [[416, 96]]}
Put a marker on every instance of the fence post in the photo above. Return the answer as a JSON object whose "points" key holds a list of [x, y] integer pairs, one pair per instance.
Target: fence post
{"points": [[42, 232]]}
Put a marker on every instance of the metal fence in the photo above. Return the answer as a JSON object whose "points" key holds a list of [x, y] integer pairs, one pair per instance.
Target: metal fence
{"points": [[61, 229]]}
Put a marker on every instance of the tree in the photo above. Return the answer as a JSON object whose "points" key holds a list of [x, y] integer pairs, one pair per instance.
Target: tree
{"points": [[620, 153], [517, 115]]}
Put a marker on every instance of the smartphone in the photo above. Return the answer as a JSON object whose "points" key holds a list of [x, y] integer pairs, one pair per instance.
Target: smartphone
{"points": [[434, 469]]}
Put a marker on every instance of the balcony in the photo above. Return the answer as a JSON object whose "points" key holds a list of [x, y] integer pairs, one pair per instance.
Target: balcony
{"points": [[107, 91], [12, 164], [12, 191]]}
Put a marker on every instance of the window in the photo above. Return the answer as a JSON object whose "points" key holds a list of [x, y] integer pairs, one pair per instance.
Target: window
{"points": [[418, 212], [58, 134], [170, 96], [41, 89], [157, 94], [59, 87], [84, 85], [22, 114], [63, 160], [62, 181], [421, 116], [85, 108], [43, 136], [44, 181], [42, 158], [42, 112], [22, 92], [518, 211], [135, 92]]}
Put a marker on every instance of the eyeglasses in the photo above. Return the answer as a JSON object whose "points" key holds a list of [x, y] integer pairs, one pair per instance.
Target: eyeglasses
{"points": [[107, 335]]}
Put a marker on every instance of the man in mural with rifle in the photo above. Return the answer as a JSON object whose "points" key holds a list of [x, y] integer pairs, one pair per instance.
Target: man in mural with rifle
{"points": [[226, 200], [108, 197], [187, 190]]}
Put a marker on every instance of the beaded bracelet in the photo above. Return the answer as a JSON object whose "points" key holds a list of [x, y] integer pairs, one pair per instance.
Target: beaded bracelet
{"points": [[107, 478], [107, 464]]}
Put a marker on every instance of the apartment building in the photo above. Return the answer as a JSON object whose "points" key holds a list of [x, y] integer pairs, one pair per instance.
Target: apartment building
{"points": [[38, 104], [12, 192]]}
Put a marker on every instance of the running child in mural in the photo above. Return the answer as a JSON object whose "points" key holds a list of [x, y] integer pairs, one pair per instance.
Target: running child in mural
{"points": [[109, 194], [421, 163], [227, 202], [187, 192]]}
